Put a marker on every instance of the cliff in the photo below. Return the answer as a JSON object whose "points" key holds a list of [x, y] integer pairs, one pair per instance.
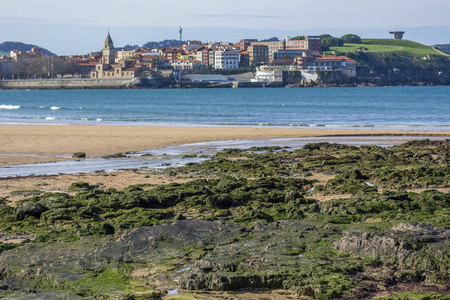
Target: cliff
{"points": [[393, 68]]}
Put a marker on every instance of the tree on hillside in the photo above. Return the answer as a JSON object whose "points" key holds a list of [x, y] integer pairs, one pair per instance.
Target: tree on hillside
{"points": [[164, 44], [273, 39], [298, 38], [351, 39], [130, 47], [328, 40]]}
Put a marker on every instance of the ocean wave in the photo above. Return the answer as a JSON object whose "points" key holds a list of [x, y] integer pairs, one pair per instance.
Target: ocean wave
{"points": [[42, 106], [55, 108], [50, 118], [4, 106]]}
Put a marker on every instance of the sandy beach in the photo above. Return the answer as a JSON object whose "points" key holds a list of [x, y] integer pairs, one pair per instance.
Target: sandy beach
{"points": [[39, 143]]}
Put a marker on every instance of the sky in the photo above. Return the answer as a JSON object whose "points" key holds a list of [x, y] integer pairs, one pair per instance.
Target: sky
{"points": [[69, 27]]}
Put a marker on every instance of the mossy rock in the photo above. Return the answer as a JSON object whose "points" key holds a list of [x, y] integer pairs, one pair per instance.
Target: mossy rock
{"points": [[30, 208], [117, 155], [26, 193], [79, 155], [80, 187]]}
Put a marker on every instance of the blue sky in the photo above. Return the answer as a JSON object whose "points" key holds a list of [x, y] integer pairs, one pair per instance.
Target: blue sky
{"points": [[69, 27]]}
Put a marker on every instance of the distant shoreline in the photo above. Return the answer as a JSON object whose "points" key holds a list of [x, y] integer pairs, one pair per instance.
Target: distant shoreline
{"points": [[144, 83]]}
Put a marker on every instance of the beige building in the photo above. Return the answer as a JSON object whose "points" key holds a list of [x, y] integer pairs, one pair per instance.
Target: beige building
{"points": [[125, 54], [258, 54], [124, 68], [343, 64], [35, 53], [108, 53]]}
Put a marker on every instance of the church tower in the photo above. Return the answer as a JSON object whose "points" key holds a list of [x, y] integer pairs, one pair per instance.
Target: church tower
{"points": [[108, 53]]}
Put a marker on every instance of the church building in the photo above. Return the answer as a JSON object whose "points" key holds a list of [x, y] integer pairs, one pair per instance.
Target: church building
{"points": [[124, 68], [108, 52]]}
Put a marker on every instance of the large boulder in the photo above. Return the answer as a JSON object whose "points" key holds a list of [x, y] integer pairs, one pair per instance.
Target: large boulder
{"points": [[420, 246]]}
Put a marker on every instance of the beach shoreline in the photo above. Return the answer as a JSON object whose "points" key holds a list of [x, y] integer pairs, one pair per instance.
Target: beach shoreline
{"points": [[42, 143], [23, 144]]}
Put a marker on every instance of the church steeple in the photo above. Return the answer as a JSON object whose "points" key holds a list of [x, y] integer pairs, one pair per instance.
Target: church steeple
{"points": [[108, 42], [109, 53]]}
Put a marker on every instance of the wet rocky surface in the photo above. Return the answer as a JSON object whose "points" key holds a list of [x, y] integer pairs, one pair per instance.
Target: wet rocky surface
{"points": [[223, 256], [252, 227]]}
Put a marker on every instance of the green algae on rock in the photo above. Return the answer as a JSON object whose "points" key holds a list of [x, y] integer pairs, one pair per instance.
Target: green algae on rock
{"points": [[253, 225]]}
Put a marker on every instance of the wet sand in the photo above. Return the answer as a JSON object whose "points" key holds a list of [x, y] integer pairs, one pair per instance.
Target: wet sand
{"points": [[39, 143]]}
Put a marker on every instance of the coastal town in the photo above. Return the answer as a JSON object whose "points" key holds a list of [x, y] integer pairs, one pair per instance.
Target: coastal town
{"points": [[299, 61], [266, 61]]}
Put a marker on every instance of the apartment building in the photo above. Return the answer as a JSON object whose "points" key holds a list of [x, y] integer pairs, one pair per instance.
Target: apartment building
{"points": [[258, 54], [309, 43], [203, 55], [125, 54], [35, 53], [244, 43], [226, 59]]}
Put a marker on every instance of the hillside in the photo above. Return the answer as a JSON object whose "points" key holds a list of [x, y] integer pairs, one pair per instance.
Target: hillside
{"points": [[402, 47], [8, 46], [382, 62], [164, 44]]}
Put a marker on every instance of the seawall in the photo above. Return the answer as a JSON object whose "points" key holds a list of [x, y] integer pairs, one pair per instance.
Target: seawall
{"points": [[82, 83], [88, 83], [230, 84]]}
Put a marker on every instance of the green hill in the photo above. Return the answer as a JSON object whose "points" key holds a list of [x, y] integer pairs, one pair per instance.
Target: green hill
{"points": [[388, 45], [10, 46]]}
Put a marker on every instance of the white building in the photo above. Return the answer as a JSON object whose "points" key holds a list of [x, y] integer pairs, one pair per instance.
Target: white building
{"points": [[226, 59], [268, 75], [187, 65]]}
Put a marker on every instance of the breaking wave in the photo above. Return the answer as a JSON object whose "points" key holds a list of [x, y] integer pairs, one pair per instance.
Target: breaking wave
{"points": [[4, 106]]}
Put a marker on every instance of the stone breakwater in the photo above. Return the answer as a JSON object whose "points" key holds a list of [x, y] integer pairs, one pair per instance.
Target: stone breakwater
{"points": [[135, 83], [81, 83]]}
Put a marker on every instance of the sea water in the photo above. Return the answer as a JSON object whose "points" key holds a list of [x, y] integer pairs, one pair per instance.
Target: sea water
{"points": [[409, 108]]}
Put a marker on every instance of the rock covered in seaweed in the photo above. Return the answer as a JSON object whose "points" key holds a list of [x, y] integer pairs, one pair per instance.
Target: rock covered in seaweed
{"points": [[413, 245]]}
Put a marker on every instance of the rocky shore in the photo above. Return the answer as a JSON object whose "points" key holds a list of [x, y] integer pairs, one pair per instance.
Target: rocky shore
{"points": [[245, 222]]}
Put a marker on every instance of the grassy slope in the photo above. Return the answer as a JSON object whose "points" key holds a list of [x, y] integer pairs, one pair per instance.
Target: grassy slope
{"points": [[389, 45]]}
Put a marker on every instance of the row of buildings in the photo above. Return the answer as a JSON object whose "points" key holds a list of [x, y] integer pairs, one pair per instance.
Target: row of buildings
{"points": [[301, 54]]}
